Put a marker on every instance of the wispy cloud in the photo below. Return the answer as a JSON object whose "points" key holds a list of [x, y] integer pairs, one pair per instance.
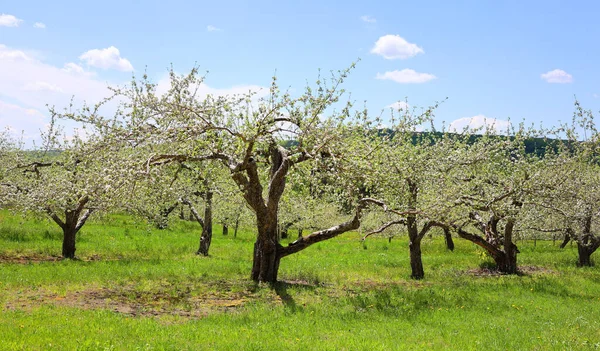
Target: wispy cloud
{"points": [[212, 28], [406, 76], [39, 25], [368, 19], [557, 76]]}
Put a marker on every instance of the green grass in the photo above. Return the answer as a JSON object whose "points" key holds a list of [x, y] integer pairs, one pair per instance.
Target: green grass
{"points": [[136, 288]]}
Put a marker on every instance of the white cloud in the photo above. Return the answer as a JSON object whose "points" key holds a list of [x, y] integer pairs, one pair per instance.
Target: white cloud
{"points": [[19, 119], [479, 123], [109, 58], [9, 21], [39, 25], [557, 76], [212, 28], [12, 54], [42, 86], [368, 19], [393, 47], [406, 76], [28, 84], [75, 69], [399, 105]]}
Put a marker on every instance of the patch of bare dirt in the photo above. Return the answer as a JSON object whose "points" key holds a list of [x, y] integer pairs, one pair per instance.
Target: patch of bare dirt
{"points": [[132, 302], [28, 258]]}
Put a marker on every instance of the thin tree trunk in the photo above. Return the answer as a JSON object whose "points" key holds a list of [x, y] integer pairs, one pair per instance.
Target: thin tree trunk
{"points": [[448, 239], [206, 237], [414, 245], [565, 241], [181, 213], [236, 227], [225, 229], [300, 230]]}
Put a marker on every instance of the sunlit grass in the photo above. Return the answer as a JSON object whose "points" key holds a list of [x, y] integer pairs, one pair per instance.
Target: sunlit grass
{"points": [[135, 287]]}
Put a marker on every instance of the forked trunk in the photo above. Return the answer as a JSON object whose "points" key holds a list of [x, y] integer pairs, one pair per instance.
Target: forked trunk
{"points": [[70, 227], [206, 236]]}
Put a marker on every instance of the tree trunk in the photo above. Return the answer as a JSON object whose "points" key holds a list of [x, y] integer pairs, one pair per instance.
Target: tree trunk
{"points": [[68, 245], [448, 239], [181, 213], [585, 255], [236, 227], [300, 230], [414, 245], [266, 261], [206, 236], [283, 234], [506, 265], [225, 229], [565, 240], [509, 263], [416, 263]]}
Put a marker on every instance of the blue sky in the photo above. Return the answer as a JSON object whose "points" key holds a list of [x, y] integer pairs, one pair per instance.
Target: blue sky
{"points": [[487, 57]]}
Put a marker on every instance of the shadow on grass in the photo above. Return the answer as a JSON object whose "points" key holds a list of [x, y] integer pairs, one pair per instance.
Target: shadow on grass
{"points": [[281, 289]]}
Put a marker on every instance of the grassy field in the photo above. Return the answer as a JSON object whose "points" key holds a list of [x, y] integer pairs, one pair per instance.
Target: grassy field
{"points": [[136, 288]]}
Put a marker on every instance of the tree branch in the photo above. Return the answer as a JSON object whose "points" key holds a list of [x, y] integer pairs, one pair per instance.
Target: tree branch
{"points": [[306, 241], [384, 227]]}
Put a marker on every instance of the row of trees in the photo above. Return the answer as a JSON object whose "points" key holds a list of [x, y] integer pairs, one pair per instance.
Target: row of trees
{"points": [[310, 161]]}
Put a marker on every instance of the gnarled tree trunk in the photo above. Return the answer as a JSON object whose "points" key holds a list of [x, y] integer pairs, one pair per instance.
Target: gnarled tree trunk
{"points": [[587, 244]]}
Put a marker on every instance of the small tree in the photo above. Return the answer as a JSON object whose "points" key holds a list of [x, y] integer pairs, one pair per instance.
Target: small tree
{"points": [[571, 202], [495, 182], [411, 179], [68, 179]]}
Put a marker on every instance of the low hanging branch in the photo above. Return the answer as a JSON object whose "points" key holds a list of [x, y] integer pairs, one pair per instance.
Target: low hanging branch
{"points": [[384, 227], [353, 224]]}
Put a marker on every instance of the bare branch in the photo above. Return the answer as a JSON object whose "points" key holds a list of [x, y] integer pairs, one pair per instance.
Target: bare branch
{"points": [[384, 227]]}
